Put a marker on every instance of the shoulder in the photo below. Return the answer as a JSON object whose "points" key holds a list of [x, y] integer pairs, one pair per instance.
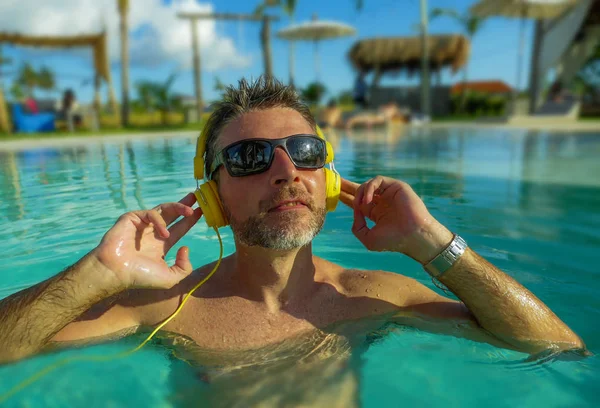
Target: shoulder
{"points": [[392, 287], [152, 305]]}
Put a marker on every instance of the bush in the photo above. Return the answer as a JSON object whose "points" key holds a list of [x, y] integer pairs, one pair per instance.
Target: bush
{"points": [[314, 92], [476, 104], [496, 105], [346, 98]]}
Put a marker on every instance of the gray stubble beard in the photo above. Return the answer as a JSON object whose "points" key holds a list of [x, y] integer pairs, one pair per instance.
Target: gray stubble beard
{"points": [[287, 235]]}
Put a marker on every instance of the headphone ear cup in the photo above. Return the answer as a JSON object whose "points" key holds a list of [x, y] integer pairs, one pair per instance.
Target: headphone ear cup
{"points": [[330, 154], [208, 199], [333, 184]]}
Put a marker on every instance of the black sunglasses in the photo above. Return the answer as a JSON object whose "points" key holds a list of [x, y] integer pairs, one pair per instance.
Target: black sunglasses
{"points": [[253, 156]]}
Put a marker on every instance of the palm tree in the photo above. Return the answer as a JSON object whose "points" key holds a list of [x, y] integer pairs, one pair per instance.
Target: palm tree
{"points": [[471, 26], [123, 6], [289, 8], [157, 95], [16, 91], [46, 80], [145, 95], [165, 100], [27, 78]]}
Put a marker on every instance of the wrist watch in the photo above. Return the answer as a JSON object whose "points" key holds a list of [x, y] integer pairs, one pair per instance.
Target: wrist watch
{"points": [[447, 258]]}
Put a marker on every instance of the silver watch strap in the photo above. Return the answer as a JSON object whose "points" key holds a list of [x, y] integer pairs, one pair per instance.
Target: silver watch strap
{"points": [[447, 258]]}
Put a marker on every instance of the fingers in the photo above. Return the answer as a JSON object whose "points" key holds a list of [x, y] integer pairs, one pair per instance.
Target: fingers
{"points": [[188, 200], [153, 217], [360, 228], [347, 199], [348, 186], [182, 266], [171, 211], [376, 186], [179, 229], [370, 189]]}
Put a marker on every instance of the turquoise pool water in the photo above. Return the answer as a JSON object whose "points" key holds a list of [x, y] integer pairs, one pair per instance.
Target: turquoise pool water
{"points": [[527, 201]]}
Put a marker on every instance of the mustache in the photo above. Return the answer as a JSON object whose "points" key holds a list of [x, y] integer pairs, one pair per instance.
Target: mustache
{"points": [[288, 193]]}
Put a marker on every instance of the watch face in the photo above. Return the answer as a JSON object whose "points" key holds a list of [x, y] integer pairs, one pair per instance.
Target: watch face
{"points": [[446, 259]]}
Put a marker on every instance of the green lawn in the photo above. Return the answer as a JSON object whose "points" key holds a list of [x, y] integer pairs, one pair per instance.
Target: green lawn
{"points": [[103, 132]]}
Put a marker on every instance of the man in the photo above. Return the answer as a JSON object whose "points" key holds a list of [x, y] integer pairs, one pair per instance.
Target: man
{"points": [[272, 289]]}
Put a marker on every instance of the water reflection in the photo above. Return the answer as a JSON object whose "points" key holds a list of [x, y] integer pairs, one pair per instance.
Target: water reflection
{"points": [[316, 369], [136, 177], [12, 203], [529, 201]]}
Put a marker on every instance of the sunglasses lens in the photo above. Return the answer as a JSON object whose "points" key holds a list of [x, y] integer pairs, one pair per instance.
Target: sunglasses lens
{"points": [[248, 157], [307, 152]]}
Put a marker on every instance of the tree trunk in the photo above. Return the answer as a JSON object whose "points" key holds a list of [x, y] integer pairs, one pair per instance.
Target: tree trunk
{"points": [[124, 33], [197, 70], [463, 94], [292, 62], [4, 121], [265, 40]]}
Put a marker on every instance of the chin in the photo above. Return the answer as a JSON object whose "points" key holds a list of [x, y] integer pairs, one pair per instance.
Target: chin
{"points": [[286, 230]]}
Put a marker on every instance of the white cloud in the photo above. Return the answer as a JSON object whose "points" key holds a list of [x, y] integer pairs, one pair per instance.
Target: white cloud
{"points": [[158, 35]]}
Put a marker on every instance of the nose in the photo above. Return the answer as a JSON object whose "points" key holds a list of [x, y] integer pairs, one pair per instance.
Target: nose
{"points": [[282, 169]]}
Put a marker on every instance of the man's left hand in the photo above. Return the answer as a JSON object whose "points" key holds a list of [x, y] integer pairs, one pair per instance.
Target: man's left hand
{"points": [[402, 222]]}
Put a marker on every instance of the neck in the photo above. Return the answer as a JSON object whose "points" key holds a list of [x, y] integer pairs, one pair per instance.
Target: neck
{"points": [[276, 278]]}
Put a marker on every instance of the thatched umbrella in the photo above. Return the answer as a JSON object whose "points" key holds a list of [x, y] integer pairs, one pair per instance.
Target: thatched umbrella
{"points": [[315, 31], [398, 54], [523, 9]]}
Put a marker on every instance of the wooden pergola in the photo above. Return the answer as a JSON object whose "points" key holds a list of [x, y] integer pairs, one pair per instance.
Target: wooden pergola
{"points": [[265, 37], [101, 64]]}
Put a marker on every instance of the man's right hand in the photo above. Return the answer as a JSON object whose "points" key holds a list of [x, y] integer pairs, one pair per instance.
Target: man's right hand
{"points": [[134, 249]]}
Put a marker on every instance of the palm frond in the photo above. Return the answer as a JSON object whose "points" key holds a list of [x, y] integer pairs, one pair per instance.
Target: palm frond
{"points": [[290, 7], [442, 12]]}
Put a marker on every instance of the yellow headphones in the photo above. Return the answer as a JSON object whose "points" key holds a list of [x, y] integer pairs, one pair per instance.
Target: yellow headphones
{"points": [[208, 197]]}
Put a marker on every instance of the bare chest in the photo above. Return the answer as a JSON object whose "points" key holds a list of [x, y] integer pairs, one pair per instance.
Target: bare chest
{"points": [[234, 323]]}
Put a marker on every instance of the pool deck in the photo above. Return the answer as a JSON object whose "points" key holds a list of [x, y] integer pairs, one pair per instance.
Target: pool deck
{"points": [[66, 141], [526, 124]]}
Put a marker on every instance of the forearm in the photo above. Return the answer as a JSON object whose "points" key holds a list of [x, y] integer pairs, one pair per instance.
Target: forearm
{"points": [[30, 318], [505, 308], [500, 304]]}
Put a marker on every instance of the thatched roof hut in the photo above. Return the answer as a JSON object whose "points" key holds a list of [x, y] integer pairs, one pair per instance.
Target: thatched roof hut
{"points": [[398, 54], [98, 43]]}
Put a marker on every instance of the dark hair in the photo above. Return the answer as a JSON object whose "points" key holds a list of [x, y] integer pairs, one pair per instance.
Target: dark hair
{"points": [[261, 94]]}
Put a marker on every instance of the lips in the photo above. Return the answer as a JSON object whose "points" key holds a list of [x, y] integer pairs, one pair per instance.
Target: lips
{"points": [[282, 205]]}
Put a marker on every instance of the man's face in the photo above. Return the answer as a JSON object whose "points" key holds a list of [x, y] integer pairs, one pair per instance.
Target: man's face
{"points": [[282, 208]]}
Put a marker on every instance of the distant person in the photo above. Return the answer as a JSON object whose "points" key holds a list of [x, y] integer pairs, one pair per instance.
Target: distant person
{"points": [[360, 91], [331, 116], [555, 93], [68, 110], [31, 105], [383, 116]]}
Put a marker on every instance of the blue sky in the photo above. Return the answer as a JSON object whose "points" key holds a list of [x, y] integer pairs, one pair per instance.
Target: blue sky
{"points": [[493, 56]]}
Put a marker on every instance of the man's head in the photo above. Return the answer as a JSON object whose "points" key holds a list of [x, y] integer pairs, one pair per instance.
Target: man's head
{"points": [[284, 207]]}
